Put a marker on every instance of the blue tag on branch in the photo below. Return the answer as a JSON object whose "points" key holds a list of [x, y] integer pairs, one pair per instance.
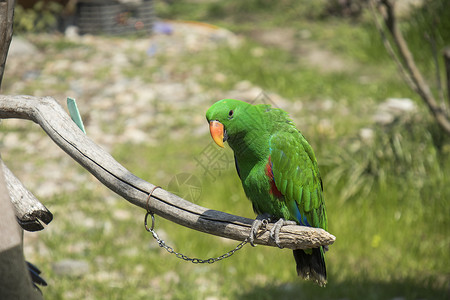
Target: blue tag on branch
{"points": [[75, 113]]}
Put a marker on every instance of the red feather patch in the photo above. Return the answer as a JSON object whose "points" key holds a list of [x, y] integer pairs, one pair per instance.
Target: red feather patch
{"points": [[273, 188]]}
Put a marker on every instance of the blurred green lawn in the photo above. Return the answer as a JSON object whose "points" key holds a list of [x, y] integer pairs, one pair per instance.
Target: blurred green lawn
{"points": [[387, 201]]}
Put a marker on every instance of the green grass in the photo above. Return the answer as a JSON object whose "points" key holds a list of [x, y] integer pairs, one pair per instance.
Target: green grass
{"points": [[277, 70], [389, 243]]}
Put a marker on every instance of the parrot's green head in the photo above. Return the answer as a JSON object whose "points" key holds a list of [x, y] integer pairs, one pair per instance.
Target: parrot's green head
{"points": [[228, 119]]}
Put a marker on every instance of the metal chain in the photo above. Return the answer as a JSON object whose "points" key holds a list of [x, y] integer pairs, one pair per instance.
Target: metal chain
{"points": [[179, 255]]}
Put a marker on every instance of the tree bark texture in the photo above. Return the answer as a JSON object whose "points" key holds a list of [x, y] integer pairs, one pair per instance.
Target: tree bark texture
{"points": [[6, 32], [15, 282], [27, 208]]}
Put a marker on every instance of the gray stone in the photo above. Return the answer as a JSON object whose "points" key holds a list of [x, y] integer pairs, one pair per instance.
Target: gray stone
{"points": [[71, 33], [398, 106], [20, 47], [366, 134], [383, 118], [71, 267], [393, 108]]}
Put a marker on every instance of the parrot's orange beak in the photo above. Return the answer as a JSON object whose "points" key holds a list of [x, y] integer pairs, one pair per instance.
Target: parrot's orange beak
{"points": [[216, 129]]}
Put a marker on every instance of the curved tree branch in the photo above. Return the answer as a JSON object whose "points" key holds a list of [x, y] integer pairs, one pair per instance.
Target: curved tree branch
{"points": [[46, 112], [6, 32], [407, 60]]}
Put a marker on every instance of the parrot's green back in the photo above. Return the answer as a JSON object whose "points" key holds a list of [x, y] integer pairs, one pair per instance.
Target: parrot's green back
{"points": [[278, 170]]}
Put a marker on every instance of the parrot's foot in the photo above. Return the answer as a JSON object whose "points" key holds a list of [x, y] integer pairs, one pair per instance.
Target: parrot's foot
{"points": [[260, 221], [275, 231]]}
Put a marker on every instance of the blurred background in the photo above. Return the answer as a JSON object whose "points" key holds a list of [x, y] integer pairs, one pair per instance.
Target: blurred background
{"points": [[144, 73]]}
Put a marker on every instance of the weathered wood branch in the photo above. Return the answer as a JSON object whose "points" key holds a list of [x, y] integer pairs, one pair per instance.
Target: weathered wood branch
{"points": [[29, 211], [6, 32], [27, 208], [46, 112], [419, 84], [15, 282]]}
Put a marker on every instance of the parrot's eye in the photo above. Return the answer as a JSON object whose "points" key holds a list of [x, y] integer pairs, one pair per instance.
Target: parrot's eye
{"points": [[230, 113]]}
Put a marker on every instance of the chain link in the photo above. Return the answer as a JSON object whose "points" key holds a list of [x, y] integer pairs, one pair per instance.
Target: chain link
{"points": [[179, 255], [169, 249]]}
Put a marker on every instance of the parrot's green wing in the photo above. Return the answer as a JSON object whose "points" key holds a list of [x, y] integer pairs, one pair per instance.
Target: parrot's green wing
{"points": [[296, 175], [297, 178]]}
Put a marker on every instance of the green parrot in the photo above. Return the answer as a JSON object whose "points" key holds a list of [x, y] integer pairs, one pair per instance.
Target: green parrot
{"points": [[278, 170]]}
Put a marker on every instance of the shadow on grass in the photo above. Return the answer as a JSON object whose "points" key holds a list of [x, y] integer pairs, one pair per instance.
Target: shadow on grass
{"points": [[406, 289]]}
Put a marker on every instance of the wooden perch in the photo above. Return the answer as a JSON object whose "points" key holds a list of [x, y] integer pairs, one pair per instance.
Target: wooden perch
{"points": [[27, 208], [46, 112]]}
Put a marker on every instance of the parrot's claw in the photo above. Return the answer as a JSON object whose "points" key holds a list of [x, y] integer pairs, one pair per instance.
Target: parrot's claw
{"points": [[260, 221], [276, 228]]}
